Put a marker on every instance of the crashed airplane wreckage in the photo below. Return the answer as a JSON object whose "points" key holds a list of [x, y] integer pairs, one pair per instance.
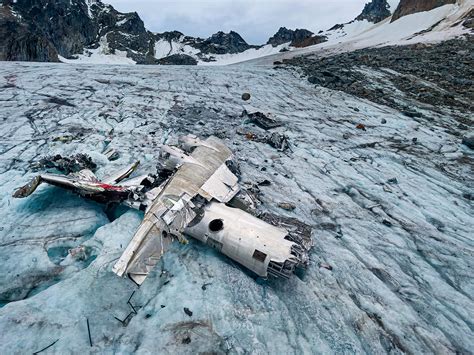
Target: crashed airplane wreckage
{"points": [[195, 200]]}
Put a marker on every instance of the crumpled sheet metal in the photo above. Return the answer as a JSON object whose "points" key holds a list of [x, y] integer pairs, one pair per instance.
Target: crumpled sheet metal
{"points": [[172, 209]]}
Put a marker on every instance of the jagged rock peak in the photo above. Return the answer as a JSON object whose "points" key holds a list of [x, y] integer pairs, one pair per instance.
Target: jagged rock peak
{"points": [[222, 43], [70, 27], [169, 36], [285, 35], [408, 7], [375, 11], [19, 40]]}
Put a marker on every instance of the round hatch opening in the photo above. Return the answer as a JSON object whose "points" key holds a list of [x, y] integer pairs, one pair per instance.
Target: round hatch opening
{"points": [[216, 225]]}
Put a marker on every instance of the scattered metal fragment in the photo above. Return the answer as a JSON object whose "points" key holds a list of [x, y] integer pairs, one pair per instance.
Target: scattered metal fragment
{"points": [[189, 199], [287, 206], [264, 183], [129, 302], [361, 126], [233, 166], [89, 332], [126, 320], [325, 266], [264, 121], [204, 286], [59, 101], [278, 141], [188, 311], [111, 154], [78, 253], [46, 348], [64, 139], [66, 165]]}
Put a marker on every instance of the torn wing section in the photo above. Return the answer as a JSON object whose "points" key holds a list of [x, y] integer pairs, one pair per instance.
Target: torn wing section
{"points": [[202, 173], [86, 184], [144, 251]]}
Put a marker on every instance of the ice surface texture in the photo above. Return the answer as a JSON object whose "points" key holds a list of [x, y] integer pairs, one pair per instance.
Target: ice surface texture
{"points": [[391, 270]]}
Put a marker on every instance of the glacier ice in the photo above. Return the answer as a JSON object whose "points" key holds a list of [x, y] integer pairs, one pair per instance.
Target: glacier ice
{"points": [[400, 253]]}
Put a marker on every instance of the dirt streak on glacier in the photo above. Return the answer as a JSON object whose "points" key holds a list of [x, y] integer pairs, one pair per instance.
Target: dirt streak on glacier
{"points": [[391, 217]]}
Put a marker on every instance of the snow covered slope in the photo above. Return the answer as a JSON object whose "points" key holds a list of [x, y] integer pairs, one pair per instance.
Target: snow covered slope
{"points": [[439, 24], [187, 46]]}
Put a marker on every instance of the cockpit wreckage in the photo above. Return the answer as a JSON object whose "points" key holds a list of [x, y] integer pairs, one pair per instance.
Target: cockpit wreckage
{"points": [[195, 194]]}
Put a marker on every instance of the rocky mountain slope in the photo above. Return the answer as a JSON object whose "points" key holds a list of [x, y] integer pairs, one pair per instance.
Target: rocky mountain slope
{"points": [[89, 31], [375, 11], [408, 7], [434, 26], [20, 41], [173, 44], [41, 30], [70, 27], [295, 38]]}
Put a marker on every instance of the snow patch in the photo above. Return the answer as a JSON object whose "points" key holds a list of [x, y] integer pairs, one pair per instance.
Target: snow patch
{"points": [[164, 48], [249, 54], [101, 55]]}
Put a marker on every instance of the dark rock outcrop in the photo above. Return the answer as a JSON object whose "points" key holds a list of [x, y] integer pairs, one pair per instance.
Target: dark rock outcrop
{"points": [[408, 7], [438, 75], [178, 59], [310, 41], [468, 20], [126, 32], [222, 43], [296, 38], [218, 43], [169, 36], [468, 141], [20, 42], [285, 35], [40, 30], [375, 11]]}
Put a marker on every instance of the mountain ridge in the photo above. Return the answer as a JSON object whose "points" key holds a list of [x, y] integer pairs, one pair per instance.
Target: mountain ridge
{"points": [[90, 31]]}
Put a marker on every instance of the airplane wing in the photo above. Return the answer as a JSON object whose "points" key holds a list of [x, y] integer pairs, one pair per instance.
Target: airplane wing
{"points": [[84, 183], [204, 173]]}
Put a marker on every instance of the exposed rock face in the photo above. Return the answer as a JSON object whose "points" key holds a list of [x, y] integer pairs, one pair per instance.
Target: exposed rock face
{"points": [[125, 32], [375, 11], [222, 43], [205, 49], [285, 35], [310, 41], [64, 23], [19, 42], [169, 36], [438, 75], [469, 19], [297, 38], [408, 7], [39, 30], [178, 59]]}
